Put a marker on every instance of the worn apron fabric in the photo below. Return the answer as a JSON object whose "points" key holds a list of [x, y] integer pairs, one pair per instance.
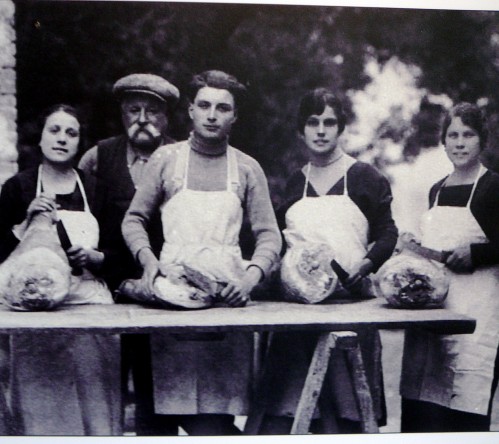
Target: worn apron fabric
{"points": [[334, 220], [68, 384], [456, 371], [202, 373]]}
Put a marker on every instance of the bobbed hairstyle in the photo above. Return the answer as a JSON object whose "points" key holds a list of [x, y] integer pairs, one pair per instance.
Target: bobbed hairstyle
{"points": [[472, 116], [68, 109], [216, 79], [315, 102]]}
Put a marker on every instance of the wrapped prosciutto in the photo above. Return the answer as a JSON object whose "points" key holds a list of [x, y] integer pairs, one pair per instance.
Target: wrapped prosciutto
{"points": [[182, 287], [408, 280], [36, 276], [306, 273]]}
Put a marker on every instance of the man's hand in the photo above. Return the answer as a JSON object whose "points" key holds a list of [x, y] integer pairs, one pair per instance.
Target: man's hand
{"points": [[150, 264], [459, 260], [359, 272], [237, 294], [80, 257]]}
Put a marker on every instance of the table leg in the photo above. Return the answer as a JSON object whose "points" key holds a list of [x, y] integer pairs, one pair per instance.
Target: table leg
{"points": [[361, 389], [313, 383], [260, 386]]}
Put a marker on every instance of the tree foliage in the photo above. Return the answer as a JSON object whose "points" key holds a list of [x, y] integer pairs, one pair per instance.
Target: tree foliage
{"points": [[74, 51]]}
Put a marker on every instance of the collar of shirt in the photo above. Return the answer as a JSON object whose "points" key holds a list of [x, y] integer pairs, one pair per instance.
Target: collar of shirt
{"points": [[132, 157]]}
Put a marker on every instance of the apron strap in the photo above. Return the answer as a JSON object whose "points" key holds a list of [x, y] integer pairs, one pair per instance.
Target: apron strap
{"points": [[475, 182], [79, 183], [39, 182], [182, 167], [307, 179], [82, 191], [468, 204], [345, 181], [232, 170], [307, 175]]}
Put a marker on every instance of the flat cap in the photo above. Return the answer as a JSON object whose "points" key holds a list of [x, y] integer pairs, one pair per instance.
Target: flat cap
{"points": [[149, 84]]}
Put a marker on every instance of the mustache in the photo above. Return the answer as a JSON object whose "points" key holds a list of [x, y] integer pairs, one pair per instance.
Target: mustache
{"points": [[149, 129]]}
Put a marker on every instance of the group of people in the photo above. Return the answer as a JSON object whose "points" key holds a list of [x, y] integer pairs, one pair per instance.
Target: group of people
{"points": [[146, 202]]}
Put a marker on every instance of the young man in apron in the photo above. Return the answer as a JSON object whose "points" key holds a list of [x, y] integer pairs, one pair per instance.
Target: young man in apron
{"points": [[203, 186]]}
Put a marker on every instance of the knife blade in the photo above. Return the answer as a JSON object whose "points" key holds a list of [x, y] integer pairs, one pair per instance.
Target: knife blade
{"points": [[66, 244], [428, 253]]}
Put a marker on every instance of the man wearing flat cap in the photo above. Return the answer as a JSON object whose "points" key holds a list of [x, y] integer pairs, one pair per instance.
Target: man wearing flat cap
{"points": [[116, 166]]}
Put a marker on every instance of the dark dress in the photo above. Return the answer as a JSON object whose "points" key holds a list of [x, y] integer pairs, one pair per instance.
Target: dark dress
{"points": [[427, 417], [370, 191], [60, 384]]}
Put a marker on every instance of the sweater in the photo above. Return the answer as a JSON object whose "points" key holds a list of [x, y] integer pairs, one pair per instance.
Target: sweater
{"points": [[206, 173]]}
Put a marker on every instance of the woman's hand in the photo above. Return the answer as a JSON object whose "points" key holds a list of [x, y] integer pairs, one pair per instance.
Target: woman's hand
{"points": [[39, 205], [459, 260], [359, 272], [150, 264], [80, 257], [237, 294]]}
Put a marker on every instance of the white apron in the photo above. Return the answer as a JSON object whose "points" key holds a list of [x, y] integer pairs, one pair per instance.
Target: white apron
{"points": [[338, 222], [69, 384], [456, 371], [210, 374], [83, 229], [334, 220]]}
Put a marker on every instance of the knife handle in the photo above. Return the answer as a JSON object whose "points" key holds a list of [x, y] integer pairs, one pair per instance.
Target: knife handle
{"points": [[339, 270], [66, 244]]}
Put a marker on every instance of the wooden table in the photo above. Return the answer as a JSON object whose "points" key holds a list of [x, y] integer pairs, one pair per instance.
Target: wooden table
{"points": [[336, 322]]}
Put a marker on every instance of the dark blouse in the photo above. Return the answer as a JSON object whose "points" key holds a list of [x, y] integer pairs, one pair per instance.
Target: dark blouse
{"points": [[15, 197], [370, 191], [484, 207]]}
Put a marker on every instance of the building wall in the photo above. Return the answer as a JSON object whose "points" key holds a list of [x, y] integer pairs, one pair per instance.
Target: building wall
{"points": [[8, 105]]}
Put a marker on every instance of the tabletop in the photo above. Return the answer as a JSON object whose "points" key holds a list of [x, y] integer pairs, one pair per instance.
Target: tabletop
{"points": [[256, 316]]}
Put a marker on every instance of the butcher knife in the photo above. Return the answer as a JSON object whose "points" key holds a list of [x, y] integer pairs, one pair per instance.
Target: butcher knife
{"points": [[66, 244], [340, 271], [428, 253]]}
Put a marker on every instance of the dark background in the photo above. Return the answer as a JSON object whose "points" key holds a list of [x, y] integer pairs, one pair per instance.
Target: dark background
{"points": [[73, 52]]}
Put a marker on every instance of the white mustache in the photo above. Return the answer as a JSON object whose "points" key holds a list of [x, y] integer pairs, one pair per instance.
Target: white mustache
{"points": [[135, 128]]}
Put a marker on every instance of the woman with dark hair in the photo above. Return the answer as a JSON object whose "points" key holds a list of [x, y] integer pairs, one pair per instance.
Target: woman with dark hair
{"points": [[61, 384], [448, 381], [344, 203]]}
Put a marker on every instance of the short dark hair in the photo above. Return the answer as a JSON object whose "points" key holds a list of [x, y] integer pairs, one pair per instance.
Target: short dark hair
{"points": [[472, 116], [315, 102], [216, 79], [68, 109]]}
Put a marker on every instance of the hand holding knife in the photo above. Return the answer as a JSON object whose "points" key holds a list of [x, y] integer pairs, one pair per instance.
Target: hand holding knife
{"points": [[428, 253]]}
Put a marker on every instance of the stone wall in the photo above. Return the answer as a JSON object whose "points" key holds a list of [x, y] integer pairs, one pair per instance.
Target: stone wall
{"points": [[8, 109]]}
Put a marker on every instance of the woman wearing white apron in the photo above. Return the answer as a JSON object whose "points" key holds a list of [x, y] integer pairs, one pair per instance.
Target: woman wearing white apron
{"points": [[203, 186], [346, 204], [448, 381], [61, 384]]}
